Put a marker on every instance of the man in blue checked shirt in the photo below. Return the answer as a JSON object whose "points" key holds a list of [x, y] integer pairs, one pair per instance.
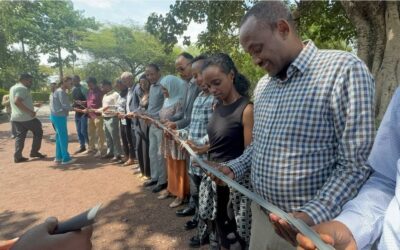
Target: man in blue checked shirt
{"points": [[372, 218], [313, 127]]}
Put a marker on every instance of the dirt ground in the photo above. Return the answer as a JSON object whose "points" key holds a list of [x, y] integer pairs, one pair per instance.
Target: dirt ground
{"points": [[131, 216]]}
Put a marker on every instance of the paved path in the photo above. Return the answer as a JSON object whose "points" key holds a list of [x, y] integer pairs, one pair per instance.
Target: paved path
{"points": [[131, 218]]}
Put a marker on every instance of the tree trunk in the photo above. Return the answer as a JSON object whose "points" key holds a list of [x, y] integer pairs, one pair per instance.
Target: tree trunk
{"points": [[378, 44], [60, 64], [23, 48]]}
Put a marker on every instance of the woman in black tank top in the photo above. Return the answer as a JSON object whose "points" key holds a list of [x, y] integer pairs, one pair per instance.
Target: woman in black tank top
{"points": [[229, 132]]}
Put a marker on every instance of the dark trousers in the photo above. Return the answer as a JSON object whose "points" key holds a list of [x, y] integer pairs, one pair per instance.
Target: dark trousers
{"points": [[81, 124], [127, 140], [224, 224], [143, 148], [195, 181], [21, 129]]}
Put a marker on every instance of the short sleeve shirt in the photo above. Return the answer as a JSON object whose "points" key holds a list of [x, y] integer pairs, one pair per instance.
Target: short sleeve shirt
{"points": [[21, 91]]}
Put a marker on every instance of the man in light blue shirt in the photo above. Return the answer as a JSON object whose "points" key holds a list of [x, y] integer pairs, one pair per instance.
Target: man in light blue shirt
{"points": [[156, 100], [372, 218]]}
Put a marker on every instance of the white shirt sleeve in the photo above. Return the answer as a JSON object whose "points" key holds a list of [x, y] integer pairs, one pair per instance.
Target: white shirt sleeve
{"points": [[364, 215], [390, 238]]}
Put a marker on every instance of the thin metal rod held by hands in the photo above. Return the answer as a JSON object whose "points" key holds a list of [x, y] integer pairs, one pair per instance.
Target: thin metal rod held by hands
{"points": [[301, 226]]}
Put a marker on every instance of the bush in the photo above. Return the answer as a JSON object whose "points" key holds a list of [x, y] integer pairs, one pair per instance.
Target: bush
{"points": [[42, 96], [3, 92]]}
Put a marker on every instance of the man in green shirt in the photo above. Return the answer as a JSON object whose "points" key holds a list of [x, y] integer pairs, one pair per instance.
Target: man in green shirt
{"points": [[23, 118]]}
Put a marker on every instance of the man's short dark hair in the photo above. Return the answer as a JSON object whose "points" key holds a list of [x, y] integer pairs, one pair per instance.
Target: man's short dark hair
{"points": [[25, 76], [91, 79], [199, 58], [154, 66], [270, 12], [106, 82], [76, 77], [186, 55]]}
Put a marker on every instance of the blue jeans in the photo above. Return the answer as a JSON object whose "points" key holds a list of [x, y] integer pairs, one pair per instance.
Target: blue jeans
{"points": [[81, 124], [60, 125]]}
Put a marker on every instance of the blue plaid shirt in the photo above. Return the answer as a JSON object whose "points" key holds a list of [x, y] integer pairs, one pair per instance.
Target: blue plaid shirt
{"points": [[312, 133], [201, 114]]}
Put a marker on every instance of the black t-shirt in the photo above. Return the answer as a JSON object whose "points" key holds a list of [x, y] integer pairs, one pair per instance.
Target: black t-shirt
{"points": [[77, 95], [225, 131]]}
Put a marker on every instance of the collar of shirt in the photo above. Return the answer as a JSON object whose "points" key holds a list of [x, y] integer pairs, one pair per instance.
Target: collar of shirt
{"points": [[202, 93], [158, 82], [301, 63], [22, 85]]}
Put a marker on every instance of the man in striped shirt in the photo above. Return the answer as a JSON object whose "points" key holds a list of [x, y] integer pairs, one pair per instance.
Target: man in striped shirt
{"points": [[313, 126]]}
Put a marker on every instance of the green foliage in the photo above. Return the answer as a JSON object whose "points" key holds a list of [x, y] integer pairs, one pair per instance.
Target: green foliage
{"points": [[28, 28], [15, 63], [221, 34], [62, 28], [222, 25], [100, 70], [42, 96], [326, 23], [127, 48]]}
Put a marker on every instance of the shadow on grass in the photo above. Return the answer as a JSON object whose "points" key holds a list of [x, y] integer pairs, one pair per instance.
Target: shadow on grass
{"points": [[13, 224]]}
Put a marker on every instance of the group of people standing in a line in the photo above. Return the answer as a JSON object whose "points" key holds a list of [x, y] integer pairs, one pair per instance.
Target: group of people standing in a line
{"points": [[216, 119], [305, 143]]}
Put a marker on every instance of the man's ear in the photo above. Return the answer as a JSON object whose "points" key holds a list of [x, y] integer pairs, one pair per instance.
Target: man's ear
{"points": [[283, 28]]}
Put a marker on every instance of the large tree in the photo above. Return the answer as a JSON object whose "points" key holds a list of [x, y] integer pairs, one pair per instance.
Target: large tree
{"points": [[62, 28], [371, 27], [378, 44], [128, 48], [28, 28], [18, 41]]}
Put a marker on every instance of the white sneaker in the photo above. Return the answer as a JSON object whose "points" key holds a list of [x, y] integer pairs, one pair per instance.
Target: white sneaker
{"points": [[57, 161], [98, 154], [68, 162], [88, 152]]}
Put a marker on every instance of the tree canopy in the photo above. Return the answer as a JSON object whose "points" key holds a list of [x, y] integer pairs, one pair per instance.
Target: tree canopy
{"points": [[370, 28], [28, 28], [128, 48]]}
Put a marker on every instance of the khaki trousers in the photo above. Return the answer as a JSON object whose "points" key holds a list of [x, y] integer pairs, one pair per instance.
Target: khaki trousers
{"points": [[96, 134], [263, 235]]}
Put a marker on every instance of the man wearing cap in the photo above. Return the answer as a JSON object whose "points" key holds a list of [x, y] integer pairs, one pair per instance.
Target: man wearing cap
{"points": [[23, 118]]}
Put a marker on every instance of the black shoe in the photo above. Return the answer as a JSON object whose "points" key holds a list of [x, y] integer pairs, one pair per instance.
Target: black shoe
{"points": [[149, 183], [81, 150], [22, 159], [195, 242], [191, 224], [37, 155], [158, 188], [188, 211]]}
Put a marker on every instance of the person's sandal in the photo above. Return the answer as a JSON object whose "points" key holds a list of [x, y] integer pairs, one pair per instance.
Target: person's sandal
{"points": [[176, 203], [164, 195]]}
